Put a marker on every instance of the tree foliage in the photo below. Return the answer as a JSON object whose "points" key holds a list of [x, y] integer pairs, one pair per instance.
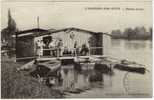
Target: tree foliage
{"points": [[10, 30], [136, 33]]}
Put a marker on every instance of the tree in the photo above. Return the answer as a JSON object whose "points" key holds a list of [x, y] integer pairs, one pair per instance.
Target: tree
{"points": [[116, 33], [128, 33], [151, 31], [10, 30], [11, 23], [141, 33]]}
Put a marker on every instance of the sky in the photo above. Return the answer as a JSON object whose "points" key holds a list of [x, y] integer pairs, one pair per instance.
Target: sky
{"points": [[86, 15]]}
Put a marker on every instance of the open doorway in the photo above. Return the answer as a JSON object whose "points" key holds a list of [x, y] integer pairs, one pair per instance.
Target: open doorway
{"points": [[47, 40]]}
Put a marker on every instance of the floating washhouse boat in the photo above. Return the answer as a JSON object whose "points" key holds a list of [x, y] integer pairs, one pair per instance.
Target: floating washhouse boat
{"points": [[26, 42], [73, 41]]}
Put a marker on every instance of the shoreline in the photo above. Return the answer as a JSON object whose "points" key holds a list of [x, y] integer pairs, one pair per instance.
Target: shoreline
{"points": [[21, 85]]}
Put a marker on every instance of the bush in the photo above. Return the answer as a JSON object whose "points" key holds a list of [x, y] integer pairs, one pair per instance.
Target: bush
{"points": [[19, 85]]}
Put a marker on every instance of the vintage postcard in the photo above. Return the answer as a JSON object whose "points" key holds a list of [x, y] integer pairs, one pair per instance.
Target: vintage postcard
{"points": [[76, 49]]}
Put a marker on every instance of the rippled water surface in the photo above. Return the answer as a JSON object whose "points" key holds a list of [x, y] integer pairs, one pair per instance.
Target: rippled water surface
{"points": [[134, 85]]}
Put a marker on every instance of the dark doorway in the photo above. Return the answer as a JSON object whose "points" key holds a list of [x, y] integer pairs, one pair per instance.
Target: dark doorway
{"points": [[46, 41]]}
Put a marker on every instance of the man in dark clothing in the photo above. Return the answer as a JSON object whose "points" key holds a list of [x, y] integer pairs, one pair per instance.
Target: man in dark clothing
{"points": [[84, 50]]}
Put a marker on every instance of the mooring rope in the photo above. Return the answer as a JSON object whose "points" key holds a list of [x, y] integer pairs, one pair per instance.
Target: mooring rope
{"points": [[126, 77], [124, 82]]}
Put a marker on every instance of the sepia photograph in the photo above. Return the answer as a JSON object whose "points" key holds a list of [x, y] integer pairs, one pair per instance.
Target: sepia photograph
{"points": [[78, 49]]}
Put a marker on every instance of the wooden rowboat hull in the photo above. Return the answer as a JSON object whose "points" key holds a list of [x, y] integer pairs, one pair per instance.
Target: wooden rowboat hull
{"points": [[129, 68]]}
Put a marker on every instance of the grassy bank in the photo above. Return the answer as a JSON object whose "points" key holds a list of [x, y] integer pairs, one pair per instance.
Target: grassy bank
{"points": [[21, 85]]}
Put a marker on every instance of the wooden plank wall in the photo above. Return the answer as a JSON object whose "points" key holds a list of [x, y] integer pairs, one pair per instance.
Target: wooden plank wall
{"points": [[25, 47]]}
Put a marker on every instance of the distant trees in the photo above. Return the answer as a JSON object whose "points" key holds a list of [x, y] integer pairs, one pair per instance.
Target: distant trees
{"points": [[151, 31], [129, 33], [116, 33]]}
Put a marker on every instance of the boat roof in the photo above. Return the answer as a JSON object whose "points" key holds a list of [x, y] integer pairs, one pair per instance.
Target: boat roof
{"points": [[36, 32], [31, 30]]}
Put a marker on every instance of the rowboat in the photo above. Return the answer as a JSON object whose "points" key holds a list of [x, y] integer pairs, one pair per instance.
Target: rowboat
{"points": [[130, 67], [52, 65]]}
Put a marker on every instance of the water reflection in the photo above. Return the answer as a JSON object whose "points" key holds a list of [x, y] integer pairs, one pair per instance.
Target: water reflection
{"points": [[74, 79], [77, 78], [138, 51], [65, 71], [134, 44], [150, 44], [116, 42], [131, 44]]}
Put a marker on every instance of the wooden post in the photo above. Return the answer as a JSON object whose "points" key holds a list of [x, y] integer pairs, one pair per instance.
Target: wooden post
{"points": [[16, 36], [38, 26], [102, 45]]}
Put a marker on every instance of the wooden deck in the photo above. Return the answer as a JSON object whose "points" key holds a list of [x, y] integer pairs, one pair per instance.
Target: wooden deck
{"points": [[68, 57], [43, 58]]}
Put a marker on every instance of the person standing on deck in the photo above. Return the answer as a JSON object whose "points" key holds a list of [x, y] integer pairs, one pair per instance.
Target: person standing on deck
{"points": [[75, 48], [60, 48], [41, 48], [73, 44], [52, 46], [84, 50], [38, 48]]}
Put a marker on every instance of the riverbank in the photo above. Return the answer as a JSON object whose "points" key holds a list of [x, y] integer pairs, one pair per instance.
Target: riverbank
{"points": [[20, 85], [131, 38]]}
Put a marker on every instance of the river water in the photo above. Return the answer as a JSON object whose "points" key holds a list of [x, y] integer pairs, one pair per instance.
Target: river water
{"points": [[134, 85]]}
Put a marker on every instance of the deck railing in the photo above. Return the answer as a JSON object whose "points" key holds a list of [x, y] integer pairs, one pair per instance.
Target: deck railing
{"points": [[69, 55], [89, 53]]}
